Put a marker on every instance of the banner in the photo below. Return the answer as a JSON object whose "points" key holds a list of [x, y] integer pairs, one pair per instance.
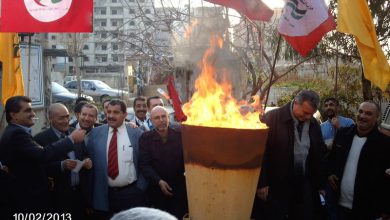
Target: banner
{"points": [[46, 16], [356, 19], [12, 78], [253, 9], [303, 24]]}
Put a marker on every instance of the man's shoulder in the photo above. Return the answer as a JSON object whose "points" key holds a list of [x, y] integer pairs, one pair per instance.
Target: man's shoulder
{"points": [[43, 133]]}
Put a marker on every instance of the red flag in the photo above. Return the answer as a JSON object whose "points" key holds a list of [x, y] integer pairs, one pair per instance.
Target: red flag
{"points": [[46, 15], [304, 24], [253, 9], [179, 114]]}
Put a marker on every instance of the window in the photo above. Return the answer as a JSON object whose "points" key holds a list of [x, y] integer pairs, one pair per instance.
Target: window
{"points": [[114, 11], [104, 35], [104, 47], [70, 59], [86, 59], [147, 11], [115, 47], [132, 23], [148, 35], [114, 1], [53, 37], [114, 23], [86, 47], [72, 84], [103, 23], [104, 59], [103, 11], [53, 46], [115, 58], [131, 11], [142, 1]]}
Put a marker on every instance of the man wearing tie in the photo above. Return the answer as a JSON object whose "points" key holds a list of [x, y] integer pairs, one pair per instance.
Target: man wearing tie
{"points": [[69, 187], [118, 184]]}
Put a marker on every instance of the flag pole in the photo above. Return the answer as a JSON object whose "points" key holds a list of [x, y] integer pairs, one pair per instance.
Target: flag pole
{"points": [[273, 70], [28, 65]]}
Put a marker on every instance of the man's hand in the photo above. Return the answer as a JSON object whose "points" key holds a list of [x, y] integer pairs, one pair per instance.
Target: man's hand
{"points": [[387, 172], [78, 136], [4, 168], [87, 163], [132, 124], [165, 188], [69, 164], [335, 122], [262, 193], [334, 182]]}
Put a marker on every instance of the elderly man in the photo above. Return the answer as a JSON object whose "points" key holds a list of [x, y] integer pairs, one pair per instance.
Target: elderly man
{"points": [[69, 191], [290, 175], [357, 164], [25, 158], [117, 182], [162, 163]]}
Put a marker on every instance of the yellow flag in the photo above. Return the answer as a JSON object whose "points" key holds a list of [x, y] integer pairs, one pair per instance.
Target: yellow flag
{"points": [[354, 18], [12, 77]]}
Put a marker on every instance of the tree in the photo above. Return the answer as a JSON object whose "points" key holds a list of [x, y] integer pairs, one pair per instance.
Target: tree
{"points": [[343, 47]]}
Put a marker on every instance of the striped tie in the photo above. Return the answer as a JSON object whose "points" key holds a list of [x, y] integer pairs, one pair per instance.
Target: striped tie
{"points": [[113, 170]]}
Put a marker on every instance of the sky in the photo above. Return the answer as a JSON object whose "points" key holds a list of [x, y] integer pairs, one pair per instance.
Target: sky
{"points": [[197, 3]]}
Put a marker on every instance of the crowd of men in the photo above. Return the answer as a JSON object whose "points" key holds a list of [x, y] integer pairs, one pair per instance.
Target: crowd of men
{"points": [[335, 170]]}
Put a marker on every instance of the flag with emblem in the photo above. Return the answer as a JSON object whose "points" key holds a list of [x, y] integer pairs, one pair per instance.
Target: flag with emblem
{"points": [[304, 23], [46, 15]]}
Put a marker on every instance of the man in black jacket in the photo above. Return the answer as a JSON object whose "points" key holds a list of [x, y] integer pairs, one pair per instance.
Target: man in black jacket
{"points": [[70, 188], [357, 165], [289, 180], [25, 159]]}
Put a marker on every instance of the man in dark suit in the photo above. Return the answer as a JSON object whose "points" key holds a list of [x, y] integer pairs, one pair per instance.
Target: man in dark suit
{"points": [[117, 181], [357, 164], [290, 175], [162, 163], [25, 158], [70, 188]]}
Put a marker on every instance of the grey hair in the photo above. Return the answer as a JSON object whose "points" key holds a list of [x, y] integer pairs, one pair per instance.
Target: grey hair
{"points": [[141, 213], [309, 96], [54, 107]]}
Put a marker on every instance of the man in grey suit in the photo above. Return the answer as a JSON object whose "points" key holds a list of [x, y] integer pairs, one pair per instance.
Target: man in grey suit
{"points": [[118, 185]]}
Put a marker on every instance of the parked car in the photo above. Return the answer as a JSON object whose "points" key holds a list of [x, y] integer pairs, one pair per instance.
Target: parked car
{"points": [[62, 95], [97, 89], [69, 78]]}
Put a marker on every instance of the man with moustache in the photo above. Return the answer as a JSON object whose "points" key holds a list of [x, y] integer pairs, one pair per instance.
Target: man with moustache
{"points": [[25, 159], [69, 188], [162, 163], [334, 122], [117, 182], [140, 109], [290, 178], [357, 163]]}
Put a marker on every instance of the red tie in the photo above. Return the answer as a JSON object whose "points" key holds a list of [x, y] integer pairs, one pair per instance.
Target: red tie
{"points": [[113, 170]]}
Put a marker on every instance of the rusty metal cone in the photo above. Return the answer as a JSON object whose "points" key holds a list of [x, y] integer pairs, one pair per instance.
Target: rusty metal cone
{"points": [[222, 169]]}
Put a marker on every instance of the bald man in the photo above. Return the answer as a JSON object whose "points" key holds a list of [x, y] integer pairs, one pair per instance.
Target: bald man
{"points": [[162, 163], [69, 191]]}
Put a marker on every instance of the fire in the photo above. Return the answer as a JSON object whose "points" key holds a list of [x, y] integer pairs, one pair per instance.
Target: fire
{"points": [[212, 105]]}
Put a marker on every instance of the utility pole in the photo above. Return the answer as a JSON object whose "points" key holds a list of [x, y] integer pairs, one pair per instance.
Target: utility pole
{"points": [[76, 66]]}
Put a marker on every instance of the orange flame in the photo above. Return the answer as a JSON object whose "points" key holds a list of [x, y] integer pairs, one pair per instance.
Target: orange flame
{"points": [[212, 105]]}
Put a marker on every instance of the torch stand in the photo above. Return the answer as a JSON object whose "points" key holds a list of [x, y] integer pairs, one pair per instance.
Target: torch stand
{"points": [[222, 170]]}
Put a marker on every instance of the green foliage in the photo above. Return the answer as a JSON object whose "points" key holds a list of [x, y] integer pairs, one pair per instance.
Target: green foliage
{"points": [[348, 92]]}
